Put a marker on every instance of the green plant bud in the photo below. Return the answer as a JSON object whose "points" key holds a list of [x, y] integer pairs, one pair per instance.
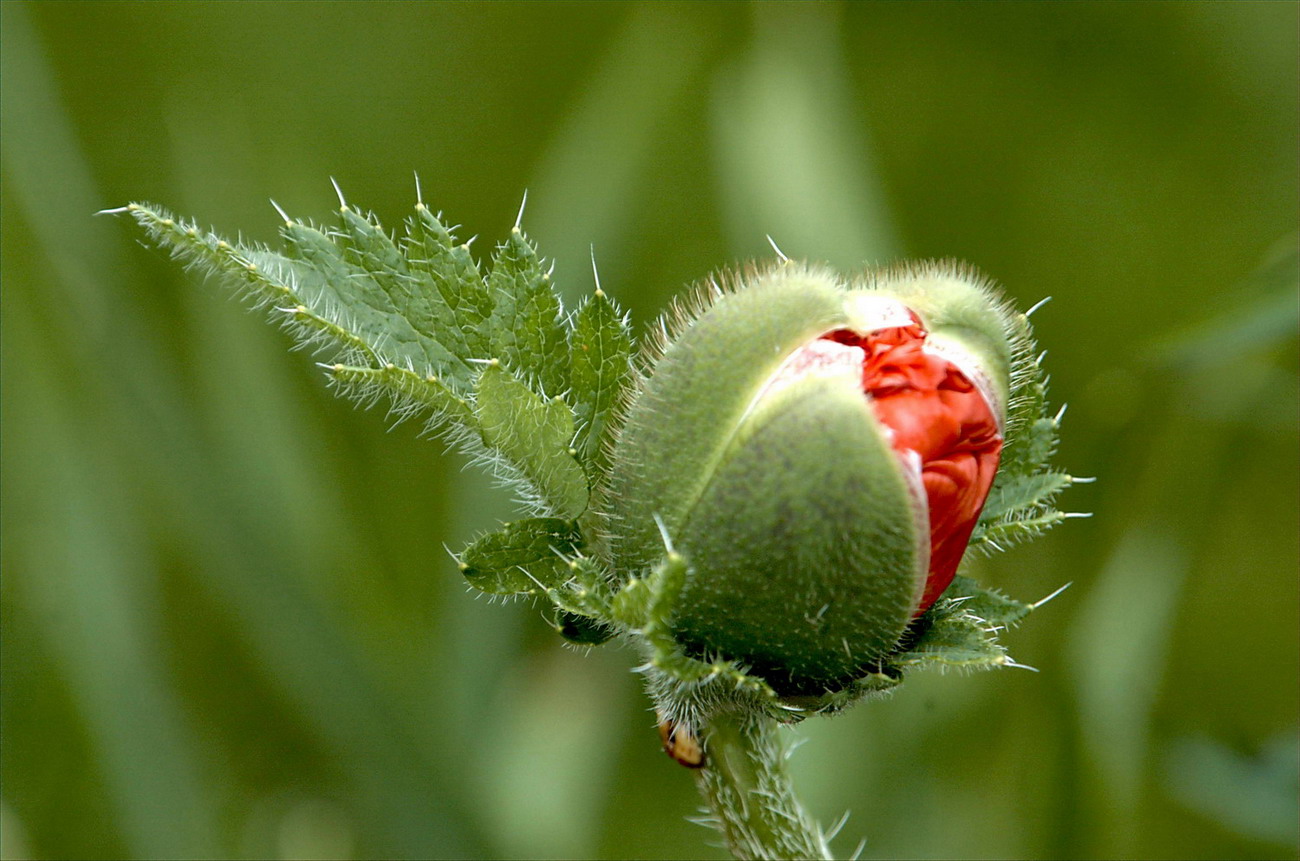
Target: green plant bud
{"points": [[758, 448]]}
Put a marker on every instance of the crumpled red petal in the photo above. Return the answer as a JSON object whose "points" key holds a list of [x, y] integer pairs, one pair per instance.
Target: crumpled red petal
{"points": [[933, 409]]}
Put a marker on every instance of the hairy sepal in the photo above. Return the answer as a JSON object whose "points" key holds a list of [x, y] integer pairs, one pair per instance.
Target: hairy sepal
{"points": [[806, 546], [688, 407]]}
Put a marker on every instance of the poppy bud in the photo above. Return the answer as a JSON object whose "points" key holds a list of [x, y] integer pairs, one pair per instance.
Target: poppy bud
{"points": [[818, 452]]}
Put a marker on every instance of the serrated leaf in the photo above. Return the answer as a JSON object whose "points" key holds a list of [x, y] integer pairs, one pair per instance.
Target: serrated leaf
{"points": [[885, 679], [527, 333], [448, 270], [534, 438], [411, 393], [985, 603], [523, 557], [354, 297], [954, 639], [1030, 448], [963, 628], [1015, 529], [586, 592], [600, 350], [1022, 492], [368, 247]]}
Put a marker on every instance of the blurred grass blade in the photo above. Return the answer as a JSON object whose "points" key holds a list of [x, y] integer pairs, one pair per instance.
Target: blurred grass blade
{"points": [[90, 594], [1254, 796], [1265, 311], [601, 158], [790, 147], [142, 425], [96, 606]]}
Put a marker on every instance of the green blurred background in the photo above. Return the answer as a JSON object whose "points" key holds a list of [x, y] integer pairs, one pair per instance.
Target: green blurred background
{"points": [[230, 623]]}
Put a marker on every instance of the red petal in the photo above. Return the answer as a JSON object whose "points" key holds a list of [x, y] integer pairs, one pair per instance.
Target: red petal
{"points": [[934, 410]]}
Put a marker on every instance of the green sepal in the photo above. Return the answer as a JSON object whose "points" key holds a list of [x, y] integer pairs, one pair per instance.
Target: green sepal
{"points": [[806, 542], [664, 586], [705, 381], [583, 630], [526, 327], [534, 437], [956, 303], [600, 355], [524, 557]]}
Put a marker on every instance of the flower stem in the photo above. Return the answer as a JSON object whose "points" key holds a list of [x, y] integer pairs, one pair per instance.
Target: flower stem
{"points": [[750, 794]]}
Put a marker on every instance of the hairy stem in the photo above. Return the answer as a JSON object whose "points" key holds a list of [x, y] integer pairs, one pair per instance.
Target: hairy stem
{"points": [[750, 794]]}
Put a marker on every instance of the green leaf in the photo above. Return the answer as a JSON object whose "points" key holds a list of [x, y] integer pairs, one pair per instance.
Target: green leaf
{"points": [[600, 350], [534, 438], [631, 605], [1028, 451], [586, 592], [985, 603], [526, 328], [410, 392], [369, 248], [1016, 528], [886, 678], [447, 270], [962, 629], [524, 557], [268, 278], [1022, 492], [356, 299], [954, 639]]}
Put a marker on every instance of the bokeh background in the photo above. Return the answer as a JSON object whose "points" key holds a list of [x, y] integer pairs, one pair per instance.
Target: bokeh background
{"points": [[231, 626]]}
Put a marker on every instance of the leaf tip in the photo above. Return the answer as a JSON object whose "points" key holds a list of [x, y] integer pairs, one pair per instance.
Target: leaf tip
{"points": [[288, 222], [779, 253], [1040, 303], [1041, 601], [519, 219]]}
